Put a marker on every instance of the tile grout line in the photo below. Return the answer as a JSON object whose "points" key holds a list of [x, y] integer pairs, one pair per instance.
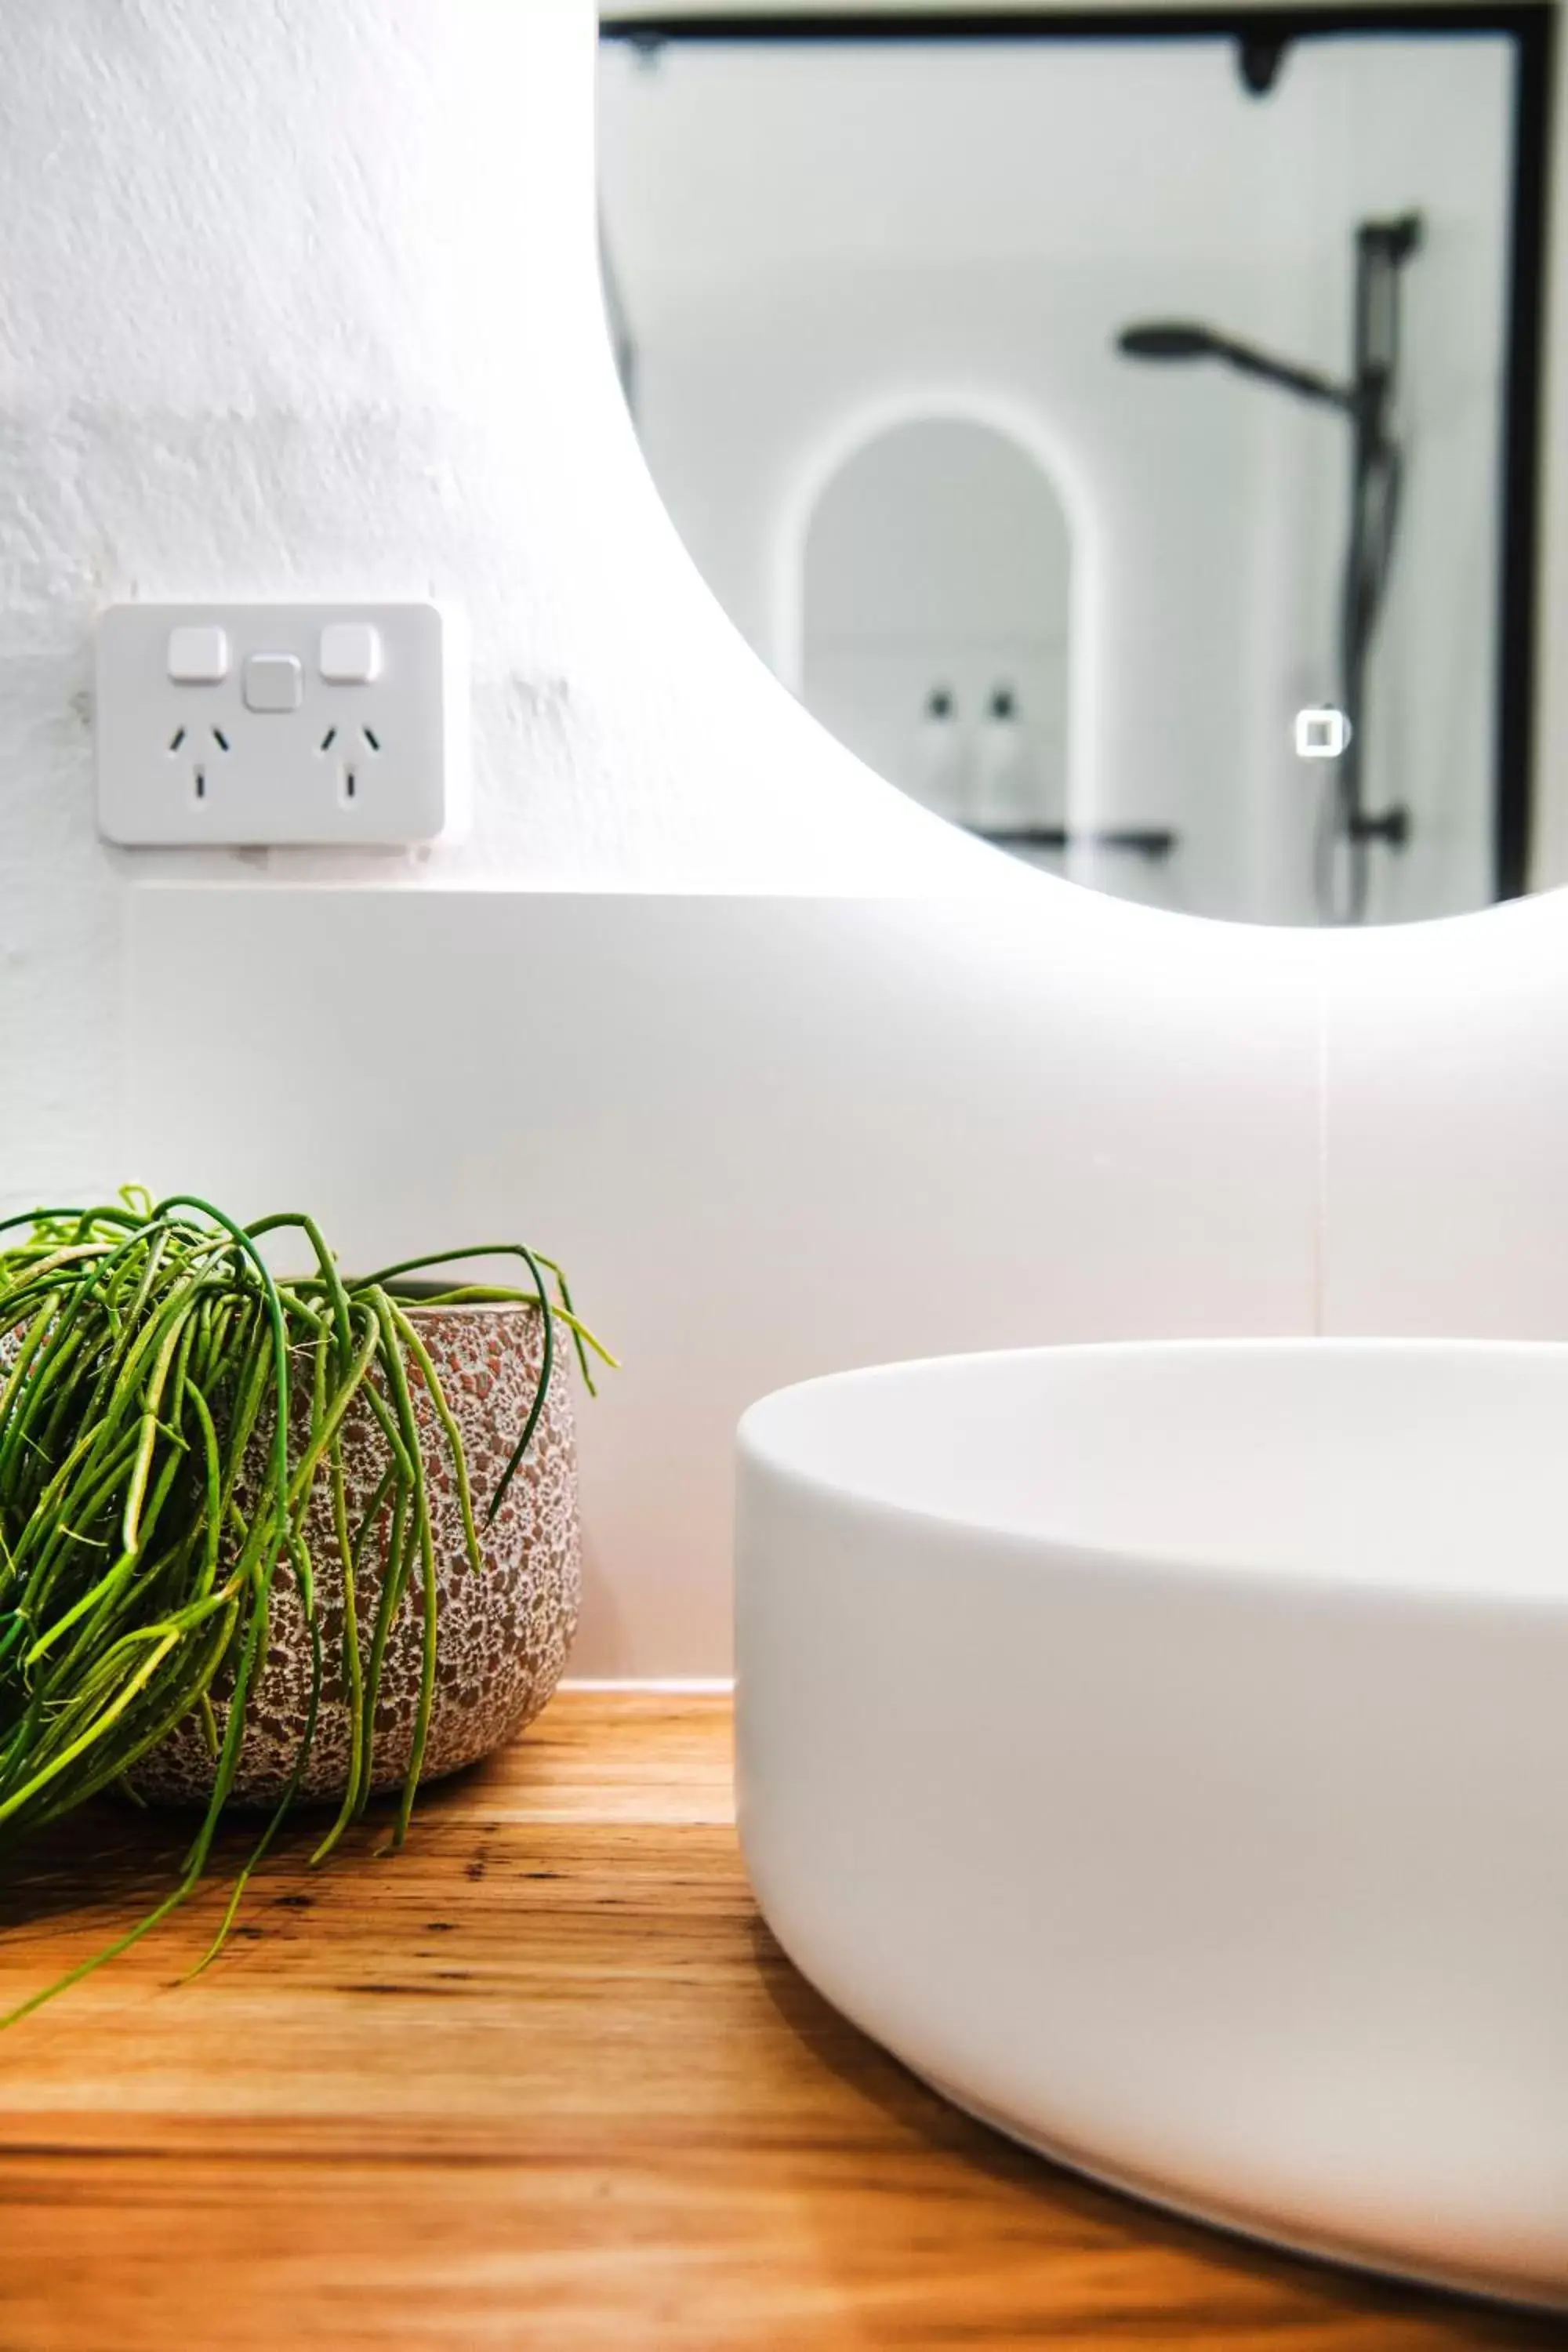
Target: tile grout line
{"points": [[1321, 1177]]}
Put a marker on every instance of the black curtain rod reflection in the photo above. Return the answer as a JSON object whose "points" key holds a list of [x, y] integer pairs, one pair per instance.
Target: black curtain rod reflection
{"points": [[1108, 24]]}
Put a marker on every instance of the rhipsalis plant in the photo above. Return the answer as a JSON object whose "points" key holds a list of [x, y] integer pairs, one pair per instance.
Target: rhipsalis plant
{"points": [[167, 1405]]}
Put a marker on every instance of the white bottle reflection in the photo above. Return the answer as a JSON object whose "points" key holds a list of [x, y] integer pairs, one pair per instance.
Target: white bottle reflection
{"points": [[1002, 794], [938, 767]]}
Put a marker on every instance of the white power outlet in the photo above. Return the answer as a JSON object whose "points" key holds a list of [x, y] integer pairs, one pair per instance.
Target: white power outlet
{"points": [[255, 725]]}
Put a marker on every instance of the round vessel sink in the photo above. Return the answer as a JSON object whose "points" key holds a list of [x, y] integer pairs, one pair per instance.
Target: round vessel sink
{"points": [[1163, 1749]]}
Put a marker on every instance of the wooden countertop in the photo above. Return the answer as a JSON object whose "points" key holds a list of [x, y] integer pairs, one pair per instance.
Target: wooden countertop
{"points": [[545, 2080]]}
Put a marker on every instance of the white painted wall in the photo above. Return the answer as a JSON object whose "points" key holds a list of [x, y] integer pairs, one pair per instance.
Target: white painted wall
{"points": [[303, 301], [789, 1074], [807, 235]]}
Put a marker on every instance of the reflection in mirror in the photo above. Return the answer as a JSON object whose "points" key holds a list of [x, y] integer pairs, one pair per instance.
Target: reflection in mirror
{"points": [[1124, 441], [938, 566]]}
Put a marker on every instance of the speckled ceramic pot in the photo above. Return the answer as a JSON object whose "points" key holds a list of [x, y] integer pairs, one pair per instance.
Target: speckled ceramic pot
{"points": [[503, 1634]]}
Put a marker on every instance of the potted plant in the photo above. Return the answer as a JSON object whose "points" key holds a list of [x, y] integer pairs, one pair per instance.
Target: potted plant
{"points": [[268, 1539]]}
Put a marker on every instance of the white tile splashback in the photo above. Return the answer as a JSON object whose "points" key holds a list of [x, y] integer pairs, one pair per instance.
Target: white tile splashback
{"points": [[1445, 1068], [769, 1137]]}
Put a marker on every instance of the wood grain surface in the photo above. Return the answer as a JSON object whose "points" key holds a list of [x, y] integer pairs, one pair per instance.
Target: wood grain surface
{"points": [[544, 2080]]}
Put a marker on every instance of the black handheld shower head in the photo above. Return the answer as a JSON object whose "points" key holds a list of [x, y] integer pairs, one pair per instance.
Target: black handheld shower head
{"points": [[1166, 339], [1183, 339]]}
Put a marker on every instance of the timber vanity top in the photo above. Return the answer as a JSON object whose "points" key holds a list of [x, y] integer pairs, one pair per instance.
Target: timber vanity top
{"points": [[544, 2080]]}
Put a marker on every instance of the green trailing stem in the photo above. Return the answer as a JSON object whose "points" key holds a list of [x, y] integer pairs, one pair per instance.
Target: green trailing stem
{"points": [[168, 1408]]}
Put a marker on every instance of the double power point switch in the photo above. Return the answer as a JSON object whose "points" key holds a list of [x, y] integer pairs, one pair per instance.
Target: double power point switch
{"points": [[247, 726]]}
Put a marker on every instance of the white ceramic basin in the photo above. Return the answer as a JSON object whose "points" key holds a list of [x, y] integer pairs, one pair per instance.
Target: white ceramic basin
{"points": [[1164, 1751]]}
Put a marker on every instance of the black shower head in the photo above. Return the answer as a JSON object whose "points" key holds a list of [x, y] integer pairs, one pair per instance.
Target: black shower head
{"points": [[1183, 339], [1167, 339]]}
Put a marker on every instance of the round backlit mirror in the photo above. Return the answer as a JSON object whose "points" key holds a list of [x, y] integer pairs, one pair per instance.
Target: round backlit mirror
{"points": [[1125, 440]]}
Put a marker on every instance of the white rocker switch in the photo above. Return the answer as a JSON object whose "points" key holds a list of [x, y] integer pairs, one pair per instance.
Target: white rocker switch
{"points": [[198, 657], [351, 653]]}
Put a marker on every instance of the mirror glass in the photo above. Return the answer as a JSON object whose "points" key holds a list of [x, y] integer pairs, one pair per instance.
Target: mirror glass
{"points": [[1124, 442]]}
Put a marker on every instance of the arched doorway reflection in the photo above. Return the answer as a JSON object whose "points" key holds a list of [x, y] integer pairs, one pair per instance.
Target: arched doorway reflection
{"points": [[937, 609]]}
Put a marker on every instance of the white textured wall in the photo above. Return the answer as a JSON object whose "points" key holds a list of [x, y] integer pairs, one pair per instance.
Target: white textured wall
{"points": [[302, 301]]}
